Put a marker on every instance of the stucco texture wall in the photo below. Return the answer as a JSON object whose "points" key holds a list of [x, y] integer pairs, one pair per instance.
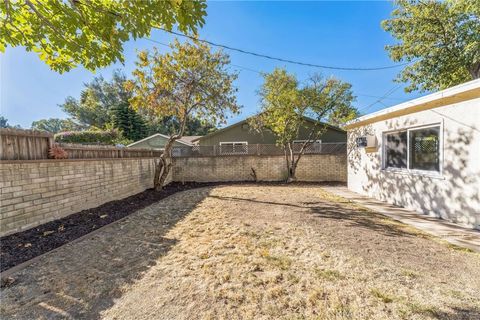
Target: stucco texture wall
{"points": [[453, 195]]}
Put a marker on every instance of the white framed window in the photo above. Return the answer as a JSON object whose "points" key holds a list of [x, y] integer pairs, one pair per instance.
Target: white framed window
{"points": [[315, 146], [416, 149], [234, 147]]}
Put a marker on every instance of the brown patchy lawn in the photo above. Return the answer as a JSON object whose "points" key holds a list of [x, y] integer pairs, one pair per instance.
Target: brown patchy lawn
{"points": [[257, 252]]}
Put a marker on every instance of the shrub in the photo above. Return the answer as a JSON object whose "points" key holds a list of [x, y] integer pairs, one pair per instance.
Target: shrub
{"points": [[56, 152], [89, 137]]}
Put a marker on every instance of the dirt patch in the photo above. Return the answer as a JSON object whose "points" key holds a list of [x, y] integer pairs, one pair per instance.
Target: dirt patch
{"points": [[22, 246], [250, 252], [301, 253]]}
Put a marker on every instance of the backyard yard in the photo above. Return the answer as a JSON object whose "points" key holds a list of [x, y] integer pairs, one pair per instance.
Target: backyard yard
{"points": [[250, 252]]}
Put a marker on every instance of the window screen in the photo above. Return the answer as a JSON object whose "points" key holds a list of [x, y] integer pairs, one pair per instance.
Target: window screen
{"points": [[396, 150], [233, 148], [424, 149]]}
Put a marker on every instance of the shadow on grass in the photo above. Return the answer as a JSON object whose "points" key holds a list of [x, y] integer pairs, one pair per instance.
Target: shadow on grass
{"points": [[457, 313], [355, 217], [82, 279]]}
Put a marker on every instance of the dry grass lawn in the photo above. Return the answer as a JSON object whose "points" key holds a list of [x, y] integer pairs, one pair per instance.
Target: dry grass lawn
{"points": [[296, 252]]}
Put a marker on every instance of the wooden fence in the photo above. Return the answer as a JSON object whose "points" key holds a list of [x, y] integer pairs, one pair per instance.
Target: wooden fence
{"points": [[76, 151], [18, 144]]}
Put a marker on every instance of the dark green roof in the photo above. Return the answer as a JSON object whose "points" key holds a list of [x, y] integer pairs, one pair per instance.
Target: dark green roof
{"points": [[245, 120]]}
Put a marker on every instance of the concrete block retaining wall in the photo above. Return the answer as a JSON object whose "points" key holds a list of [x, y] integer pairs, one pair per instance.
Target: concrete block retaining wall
{"points": [[37, 191], [318, 167]]}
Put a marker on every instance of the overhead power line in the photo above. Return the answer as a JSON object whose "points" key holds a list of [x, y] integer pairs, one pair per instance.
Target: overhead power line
{"points": [[380, 98], [260, 55], [232, 64], [385, 96], [279, 59]]}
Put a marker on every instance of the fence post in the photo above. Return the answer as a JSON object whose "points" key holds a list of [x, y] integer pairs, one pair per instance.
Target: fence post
{"points": [[50, 144]]}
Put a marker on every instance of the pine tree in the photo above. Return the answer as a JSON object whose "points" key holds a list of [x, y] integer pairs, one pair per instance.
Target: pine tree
{"points": [[129, 122]]}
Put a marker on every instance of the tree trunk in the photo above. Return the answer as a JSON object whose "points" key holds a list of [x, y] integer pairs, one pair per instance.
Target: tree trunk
{"points": [[164, 164], [475, 71], [291, 173], [287, 163], [291, 165]]}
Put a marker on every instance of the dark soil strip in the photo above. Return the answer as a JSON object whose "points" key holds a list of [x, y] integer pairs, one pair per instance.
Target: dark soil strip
{"points": [[22, 246]]}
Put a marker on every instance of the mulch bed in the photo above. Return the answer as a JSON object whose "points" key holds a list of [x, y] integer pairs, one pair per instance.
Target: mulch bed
{"points": [[28, 244]]}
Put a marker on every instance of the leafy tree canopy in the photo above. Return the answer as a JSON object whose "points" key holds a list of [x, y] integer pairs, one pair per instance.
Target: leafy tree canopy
{"points": [[105, 105], [97, 101], [440, 38], [91, 33], [55, 125], [4, 124], [168, 125], [190, 82], [285, 103]]}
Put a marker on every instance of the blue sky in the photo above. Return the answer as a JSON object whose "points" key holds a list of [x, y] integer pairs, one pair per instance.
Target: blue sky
{"points": [[344, 34]]}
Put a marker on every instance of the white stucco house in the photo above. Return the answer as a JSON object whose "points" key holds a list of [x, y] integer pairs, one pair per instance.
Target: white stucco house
{"points": [[423, 154]]}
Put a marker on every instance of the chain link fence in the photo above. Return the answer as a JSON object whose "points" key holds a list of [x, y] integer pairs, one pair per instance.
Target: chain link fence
{"points": [[239, 149]]}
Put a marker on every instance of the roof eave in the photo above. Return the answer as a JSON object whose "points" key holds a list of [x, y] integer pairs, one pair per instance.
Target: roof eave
{"points": [[160, 135], [463, 92]]}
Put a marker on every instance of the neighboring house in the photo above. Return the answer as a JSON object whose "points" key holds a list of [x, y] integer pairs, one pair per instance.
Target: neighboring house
{"points": [[236, 137], [423, 154], [158, 141]]}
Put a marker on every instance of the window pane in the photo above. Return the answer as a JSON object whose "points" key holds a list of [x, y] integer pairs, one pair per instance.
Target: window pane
{"points": [[425, 149], [396, 150], [234, 148], [240, 148]]}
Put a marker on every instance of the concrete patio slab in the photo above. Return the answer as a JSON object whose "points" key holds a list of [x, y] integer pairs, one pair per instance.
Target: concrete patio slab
{"points": [[450, 232]]}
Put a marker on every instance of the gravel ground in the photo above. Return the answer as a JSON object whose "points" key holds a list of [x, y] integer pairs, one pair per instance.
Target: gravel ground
{"points": [[250, 252]]}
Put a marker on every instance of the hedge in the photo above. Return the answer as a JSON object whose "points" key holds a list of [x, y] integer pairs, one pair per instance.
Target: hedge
{"points": [[89, 137]]}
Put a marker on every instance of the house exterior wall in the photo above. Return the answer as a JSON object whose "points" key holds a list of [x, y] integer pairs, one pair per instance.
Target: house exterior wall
{"points": [[454, 194], [157, 142], [242, 132]]}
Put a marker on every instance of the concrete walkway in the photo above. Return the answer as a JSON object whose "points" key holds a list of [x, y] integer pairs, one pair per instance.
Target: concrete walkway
{"points": [[455, 234]]}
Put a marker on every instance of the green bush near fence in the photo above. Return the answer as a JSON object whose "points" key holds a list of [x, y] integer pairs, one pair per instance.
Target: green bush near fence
{"points": [[108, 137]]}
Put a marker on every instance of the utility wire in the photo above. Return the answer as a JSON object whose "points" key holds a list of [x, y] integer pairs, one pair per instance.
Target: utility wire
{"points": [[379, 98], [373, 96], [276, 58], [235, 65], [116, 14], [389, 92], [262, 72]]}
